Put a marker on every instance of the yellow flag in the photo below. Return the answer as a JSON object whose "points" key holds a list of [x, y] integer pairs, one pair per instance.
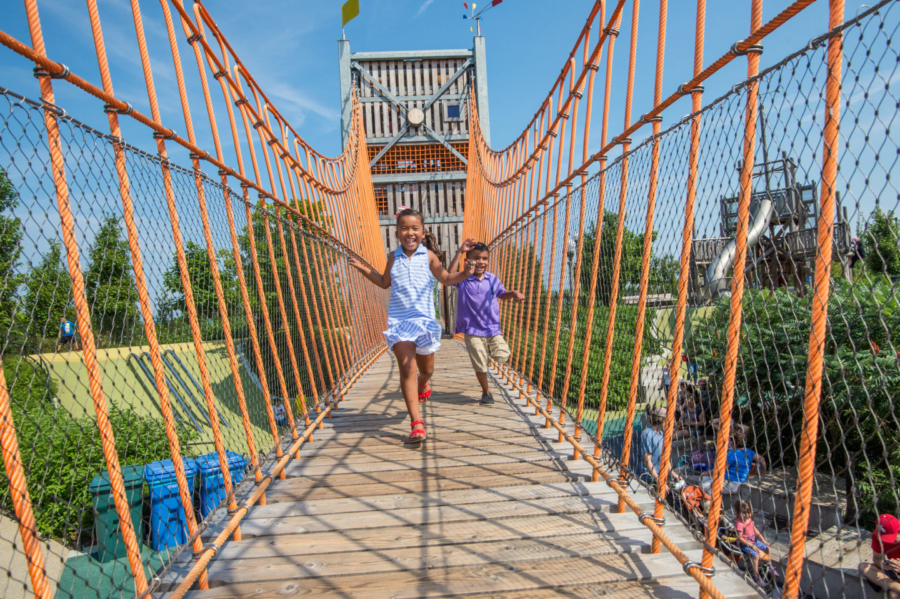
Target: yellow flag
{"points": [[349, 11]]}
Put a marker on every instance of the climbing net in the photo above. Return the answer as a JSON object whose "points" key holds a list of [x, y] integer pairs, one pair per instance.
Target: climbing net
{"points": [[736, 268], [139, 290]]}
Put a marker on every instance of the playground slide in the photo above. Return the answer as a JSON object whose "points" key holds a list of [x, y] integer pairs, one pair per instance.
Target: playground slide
{"points": [[717, 273], [172, 391], [187, 389]]}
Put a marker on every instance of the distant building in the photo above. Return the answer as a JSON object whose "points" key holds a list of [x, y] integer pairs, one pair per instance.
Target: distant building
{"points": [[415, 108]]}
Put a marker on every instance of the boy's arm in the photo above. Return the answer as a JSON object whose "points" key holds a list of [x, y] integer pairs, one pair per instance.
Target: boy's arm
{"points": [[512, 295], [445, 277], [382, 280]]}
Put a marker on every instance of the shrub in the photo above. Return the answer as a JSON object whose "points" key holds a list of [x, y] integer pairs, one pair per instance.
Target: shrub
{"points": [[63, 453]]}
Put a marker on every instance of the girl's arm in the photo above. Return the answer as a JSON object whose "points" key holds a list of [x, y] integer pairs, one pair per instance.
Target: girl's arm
{"points": [[443, 276], [512, 295], [467, 245], [382, 280]]}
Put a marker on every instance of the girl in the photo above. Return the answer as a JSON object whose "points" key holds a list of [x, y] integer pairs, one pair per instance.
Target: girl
{"points": [[413, 334], [750, 540]]}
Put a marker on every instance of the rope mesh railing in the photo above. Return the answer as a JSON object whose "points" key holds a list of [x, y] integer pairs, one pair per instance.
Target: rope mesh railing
{"points": [[778, 383], [161, 326]]}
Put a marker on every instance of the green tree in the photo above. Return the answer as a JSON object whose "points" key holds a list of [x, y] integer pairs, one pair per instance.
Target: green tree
{"points": [[10, 251], [202, 284], [632, 247], [48, 289], [881, 240], [109, 284]]}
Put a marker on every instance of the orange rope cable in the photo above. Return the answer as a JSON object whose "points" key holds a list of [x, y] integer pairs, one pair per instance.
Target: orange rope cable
{"points": [[211, 254], [161, 131], [21, 500], [140, 280], [277, 470], [83, 311], [684, 267], [819, 330], [595, 266], [576, 277], [634, 381], [737, 294], [547, 317], [617, 260], [740, 49]]}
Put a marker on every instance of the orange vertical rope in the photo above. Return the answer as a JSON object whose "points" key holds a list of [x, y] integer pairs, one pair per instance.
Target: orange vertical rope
{"points": [[18, 493], [83, 311], [818, 332], [576, 276], [137, 263], [211, 251], [737, 294], [685, 264], [617, 260], [176, 230], [595, 267]]}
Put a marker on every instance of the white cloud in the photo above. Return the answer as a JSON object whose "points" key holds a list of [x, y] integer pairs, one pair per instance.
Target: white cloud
{"points": [[424, 7]]}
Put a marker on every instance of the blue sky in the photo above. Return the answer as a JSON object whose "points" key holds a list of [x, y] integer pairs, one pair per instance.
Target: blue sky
{"points": [[290, 46]]}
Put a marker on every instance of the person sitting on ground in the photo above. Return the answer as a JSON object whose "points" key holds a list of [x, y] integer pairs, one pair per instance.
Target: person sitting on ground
{"points": [[740, 461], [750, 539], [884, 573], [652, 443], [735, 426], [692, 420], [66, 335]]}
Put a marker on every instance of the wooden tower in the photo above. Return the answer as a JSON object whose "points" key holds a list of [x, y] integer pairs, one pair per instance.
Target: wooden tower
{"points": [[415, 107]]}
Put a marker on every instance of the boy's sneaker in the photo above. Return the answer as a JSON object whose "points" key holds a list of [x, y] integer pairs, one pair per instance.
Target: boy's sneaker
{"points": [[487, 399]]}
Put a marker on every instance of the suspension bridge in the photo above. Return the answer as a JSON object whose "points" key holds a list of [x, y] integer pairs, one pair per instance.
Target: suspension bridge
{"points": [[226, 420]]}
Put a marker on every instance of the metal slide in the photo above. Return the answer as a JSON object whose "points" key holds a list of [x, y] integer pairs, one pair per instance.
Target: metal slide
{"points": [[717, 272], [172, 390], [193, 380]]}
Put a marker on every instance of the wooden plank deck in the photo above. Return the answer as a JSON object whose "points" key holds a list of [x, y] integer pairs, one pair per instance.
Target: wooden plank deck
{"points": [[488, 506]]}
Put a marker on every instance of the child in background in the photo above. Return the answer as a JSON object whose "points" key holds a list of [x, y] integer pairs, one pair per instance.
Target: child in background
{"points": [[750, 540], [478, 312], [413, 334]]}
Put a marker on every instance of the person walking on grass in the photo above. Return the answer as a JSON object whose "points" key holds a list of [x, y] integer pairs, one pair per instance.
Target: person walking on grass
{"points": [[478, 312], [413, 333]]}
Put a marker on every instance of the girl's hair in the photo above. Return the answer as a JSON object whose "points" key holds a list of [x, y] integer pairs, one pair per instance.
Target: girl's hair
{"points": [[430, 240], [737, 439], [742, 506]]}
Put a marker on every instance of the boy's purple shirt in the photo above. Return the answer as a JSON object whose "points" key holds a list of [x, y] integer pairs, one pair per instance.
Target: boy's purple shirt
{"points": [[477, 308]]}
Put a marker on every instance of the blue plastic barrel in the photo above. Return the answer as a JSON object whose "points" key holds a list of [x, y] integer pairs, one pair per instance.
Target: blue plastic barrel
{"points": [[212, 483], [168, 525]]}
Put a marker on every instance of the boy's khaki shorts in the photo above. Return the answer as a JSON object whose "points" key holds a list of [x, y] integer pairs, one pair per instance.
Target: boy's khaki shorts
{"points": [[483, 349]]}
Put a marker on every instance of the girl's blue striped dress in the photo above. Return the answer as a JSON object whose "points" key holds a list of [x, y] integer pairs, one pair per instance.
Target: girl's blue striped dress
{"points": [[411, 311]]}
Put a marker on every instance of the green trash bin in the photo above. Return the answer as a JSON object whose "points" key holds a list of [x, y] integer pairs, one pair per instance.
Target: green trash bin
{"points": [[110, 544]]}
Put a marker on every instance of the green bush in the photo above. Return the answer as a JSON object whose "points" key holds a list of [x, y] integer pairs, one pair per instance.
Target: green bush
{"points": [[857, 435], [63, 453]]}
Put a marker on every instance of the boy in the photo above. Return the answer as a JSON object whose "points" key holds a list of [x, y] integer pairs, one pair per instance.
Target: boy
{"points": [[478, 313]]}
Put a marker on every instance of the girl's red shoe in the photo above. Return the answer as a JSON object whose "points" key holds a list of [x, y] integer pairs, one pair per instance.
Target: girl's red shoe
{"points": [[417, 436]]}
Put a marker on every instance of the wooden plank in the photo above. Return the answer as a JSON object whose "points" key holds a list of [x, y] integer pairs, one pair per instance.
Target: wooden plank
{"points": [[467, 580], [417, 517], [428, 499], [293, 567], [431, 534], [279, 492], [517, 469]]}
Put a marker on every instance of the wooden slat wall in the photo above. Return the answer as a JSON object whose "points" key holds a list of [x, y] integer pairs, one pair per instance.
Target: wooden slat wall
{"points": [[433, 200], [410, 79]]}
